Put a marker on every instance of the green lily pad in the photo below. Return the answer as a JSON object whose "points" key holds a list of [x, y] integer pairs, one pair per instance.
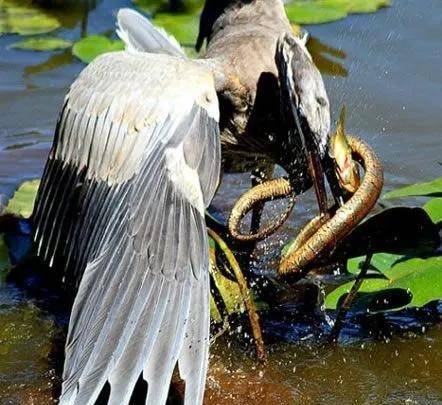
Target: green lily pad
{"points": [[429, 189], [322, 11], [22, 203], [314, 12], [363, 6], [150, 6], [380, 261], [87, 49], [420, 277], [154, 6], [25, 18], [184, 27], [434, 209], [42, 44]]}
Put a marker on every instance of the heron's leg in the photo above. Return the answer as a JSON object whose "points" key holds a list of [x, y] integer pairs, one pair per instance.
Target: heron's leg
{"points": [[317, 173]]}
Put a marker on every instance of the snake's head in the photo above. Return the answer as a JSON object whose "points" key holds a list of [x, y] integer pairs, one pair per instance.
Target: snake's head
{"points": [[346, 168]]}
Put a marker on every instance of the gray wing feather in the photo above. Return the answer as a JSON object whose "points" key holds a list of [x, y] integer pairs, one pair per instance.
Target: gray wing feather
{"points": [[127, 326], [139, 34], [130, 200]]}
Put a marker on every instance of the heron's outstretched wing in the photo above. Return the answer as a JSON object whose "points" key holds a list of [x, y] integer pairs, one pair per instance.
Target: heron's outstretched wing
{"points": [[135, 161], [140, 34]]}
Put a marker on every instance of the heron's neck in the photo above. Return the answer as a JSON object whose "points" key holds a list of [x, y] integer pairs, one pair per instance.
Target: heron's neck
{"points": [[222, 17]]}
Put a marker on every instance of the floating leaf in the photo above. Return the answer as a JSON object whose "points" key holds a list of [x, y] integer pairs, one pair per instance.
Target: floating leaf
{"points": [[429, 189], [150, 6], [42, 44], [154, 6], [321, 11], [422, 278], [184, 27], [314, 12], [434, 209], [87, 49], [377, 301], [362, 6], [25, 18], [380, 261], [22, 203]]}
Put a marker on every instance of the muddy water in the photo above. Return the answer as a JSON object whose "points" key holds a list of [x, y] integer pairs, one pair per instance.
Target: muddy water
{"points": [[386, 68]]}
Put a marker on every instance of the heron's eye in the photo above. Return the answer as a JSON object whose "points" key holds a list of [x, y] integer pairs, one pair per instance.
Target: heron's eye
{"points": [[321, 101]]}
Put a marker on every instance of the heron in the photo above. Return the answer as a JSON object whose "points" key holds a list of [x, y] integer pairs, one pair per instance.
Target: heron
{"points": [[136, 160]]}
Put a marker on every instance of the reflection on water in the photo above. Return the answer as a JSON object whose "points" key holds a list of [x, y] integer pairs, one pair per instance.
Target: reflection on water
{"points": [[54, 61], [329, 60], [393, 99]]}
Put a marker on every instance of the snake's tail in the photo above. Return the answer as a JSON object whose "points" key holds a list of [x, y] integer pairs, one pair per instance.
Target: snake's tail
{"points": [[266, 191], [346, 218]]}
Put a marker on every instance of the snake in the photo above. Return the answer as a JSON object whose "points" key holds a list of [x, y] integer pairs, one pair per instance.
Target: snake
{"points": [[322, 233]]}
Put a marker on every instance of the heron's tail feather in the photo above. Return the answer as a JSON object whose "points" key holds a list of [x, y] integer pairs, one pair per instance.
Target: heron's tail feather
{"points": [[139, 34]]}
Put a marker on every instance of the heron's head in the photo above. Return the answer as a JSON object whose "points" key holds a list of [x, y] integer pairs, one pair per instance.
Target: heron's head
{"points": [[304, 101]]}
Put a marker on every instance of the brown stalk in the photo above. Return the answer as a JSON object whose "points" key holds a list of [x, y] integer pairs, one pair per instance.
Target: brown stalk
{"points": [[246, 295]]}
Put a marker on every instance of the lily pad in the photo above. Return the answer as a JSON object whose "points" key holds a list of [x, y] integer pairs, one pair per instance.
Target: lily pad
{"points": [[322, 11], [314, 12], [22, 203], [434, 209], [380, 261], [420, 277], [150, 6], [87, 49], [154, 6], [42, 44], [429, 189], [184, 27], [25, 18]]}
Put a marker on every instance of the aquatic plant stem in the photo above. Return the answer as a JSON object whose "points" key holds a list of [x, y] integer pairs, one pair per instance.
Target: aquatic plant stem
{"points": [[346, 304], [246, 296]]}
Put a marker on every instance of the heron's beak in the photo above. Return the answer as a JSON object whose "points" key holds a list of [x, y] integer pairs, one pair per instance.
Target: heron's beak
{"points": [[346, 168]]}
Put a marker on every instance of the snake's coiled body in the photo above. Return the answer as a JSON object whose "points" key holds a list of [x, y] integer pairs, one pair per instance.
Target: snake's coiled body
{"points": [[321, 234]]}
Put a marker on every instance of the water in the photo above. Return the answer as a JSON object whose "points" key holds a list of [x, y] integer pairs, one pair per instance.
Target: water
{"points": [[391, 81]]}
